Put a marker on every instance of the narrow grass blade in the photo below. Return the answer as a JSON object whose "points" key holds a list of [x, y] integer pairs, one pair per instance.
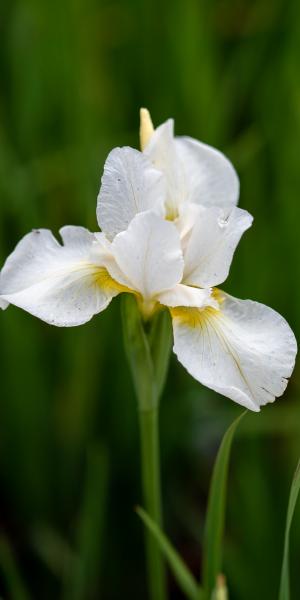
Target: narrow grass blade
{"points": [[284, 591], [53, 550], [83, 578], [214, 525], [183, 576], [15, 585]]}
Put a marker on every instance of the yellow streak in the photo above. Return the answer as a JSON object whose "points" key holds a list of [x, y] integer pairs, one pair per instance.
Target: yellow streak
{"points": [[146, 127], [102, 278], [171, 212], [217, 295], [196, 317], [193, 317], [202, 318]]}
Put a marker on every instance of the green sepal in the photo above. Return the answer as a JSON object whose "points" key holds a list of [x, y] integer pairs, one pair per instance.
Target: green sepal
{"points": [[160, 339], [147, 346], [138, 353]]}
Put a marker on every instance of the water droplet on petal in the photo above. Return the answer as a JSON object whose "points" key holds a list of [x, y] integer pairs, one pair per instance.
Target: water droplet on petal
{"points": [[223, 221]]}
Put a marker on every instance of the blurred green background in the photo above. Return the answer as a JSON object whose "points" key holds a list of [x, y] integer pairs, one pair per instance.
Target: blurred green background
{"points": [[73, 76]]}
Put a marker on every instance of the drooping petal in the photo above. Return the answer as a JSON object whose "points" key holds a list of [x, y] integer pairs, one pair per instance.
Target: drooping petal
{"points": [[210, 177], [211, 244], [148, 255], [245, 351], [62, 285], [184, 295], [130, 185]]}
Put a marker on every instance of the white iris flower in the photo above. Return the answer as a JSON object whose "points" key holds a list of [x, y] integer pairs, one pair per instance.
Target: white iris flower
{"points": [[170, 227]]}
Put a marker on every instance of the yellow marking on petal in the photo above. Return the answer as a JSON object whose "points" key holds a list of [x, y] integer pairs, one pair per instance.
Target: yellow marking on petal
{"points": [[102, 278], [217, 295], [171, 212], [146, 127], [202, 318], [195, 317]]}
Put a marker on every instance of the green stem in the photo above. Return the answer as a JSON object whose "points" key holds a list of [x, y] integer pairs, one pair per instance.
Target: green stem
{"points": [[148, 350], [152, 498]]}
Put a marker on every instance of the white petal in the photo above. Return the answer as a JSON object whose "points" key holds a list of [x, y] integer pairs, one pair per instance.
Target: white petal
{"points": [[184, 295], [210, 178], [211, 244], [130, 185], [195, 172], [63, 285], [161, 150], [189, 213], [245, 351], [148, 255]]}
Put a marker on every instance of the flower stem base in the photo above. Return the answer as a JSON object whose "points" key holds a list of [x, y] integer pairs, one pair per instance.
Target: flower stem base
{"points": [[152, 499]]}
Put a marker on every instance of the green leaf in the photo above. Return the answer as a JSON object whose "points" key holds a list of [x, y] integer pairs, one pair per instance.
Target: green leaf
{"points": [[182, 574], [13, 579], [215, 516], [284, 591]]}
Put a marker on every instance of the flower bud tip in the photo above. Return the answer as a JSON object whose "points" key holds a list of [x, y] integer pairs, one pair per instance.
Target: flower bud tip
{"points": [[146, 127]]}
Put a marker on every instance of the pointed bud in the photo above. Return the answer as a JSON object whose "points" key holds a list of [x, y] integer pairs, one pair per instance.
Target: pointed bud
{"points": [[146, 127], [221, 592]]}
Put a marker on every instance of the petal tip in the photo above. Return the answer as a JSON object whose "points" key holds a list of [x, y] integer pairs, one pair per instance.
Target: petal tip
{"points": [[3, 304]]}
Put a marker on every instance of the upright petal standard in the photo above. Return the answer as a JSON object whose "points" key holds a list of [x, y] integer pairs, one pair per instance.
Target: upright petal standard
{"points": [[195, 172], [130, 185], [170, 227]]}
